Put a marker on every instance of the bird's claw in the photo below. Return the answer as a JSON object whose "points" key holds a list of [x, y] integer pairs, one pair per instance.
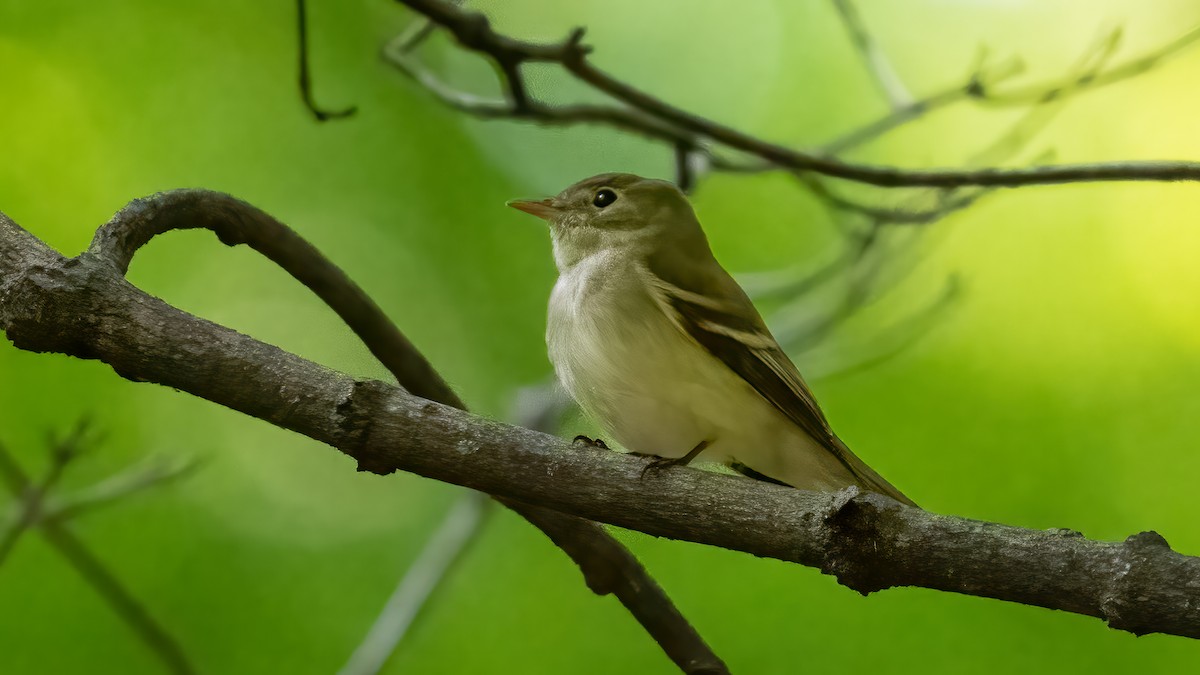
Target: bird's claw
{"points": [[659, 463], [590, 442]]}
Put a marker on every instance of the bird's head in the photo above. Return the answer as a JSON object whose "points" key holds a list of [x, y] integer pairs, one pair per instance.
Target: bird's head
{"points": [[616, 213]]}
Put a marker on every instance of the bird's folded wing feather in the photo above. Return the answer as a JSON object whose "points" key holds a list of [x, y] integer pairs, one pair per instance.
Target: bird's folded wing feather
{"points": [[724, 321]]}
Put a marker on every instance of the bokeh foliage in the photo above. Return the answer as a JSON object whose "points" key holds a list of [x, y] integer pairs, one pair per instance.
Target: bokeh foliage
{"points": [[1059, 392]]}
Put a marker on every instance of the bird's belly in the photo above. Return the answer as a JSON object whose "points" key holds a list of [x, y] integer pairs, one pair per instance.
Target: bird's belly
{"points": [[653, 389]]}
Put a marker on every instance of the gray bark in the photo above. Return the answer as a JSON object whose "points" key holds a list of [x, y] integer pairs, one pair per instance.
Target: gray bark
{"points": [[84, 307]]}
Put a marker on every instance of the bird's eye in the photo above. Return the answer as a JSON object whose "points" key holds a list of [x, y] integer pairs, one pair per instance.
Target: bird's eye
{"points": [[604, 197]]}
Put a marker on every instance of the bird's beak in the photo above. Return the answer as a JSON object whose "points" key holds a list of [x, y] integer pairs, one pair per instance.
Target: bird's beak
{"points": [[542, 208]]}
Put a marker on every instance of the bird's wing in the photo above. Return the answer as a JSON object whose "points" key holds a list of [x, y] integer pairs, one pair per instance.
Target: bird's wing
{"points": [[725, 322], [742, 342]]}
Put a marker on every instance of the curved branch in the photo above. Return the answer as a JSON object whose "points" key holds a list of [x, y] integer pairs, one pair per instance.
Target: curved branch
{"points": [[606, 565], [236, 222], [85, 308]]}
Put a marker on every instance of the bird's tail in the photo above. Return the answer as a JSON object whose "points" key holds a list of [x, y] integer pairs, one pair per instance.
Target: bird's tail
{"points": [[867, 477], [841, 468]]}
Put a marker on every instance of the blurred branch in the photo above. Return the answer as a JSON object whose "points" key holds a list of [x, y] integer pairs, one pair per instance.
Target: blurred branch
{"points": [[31, 496], [445, 548], [398, 52], [982, 78], [693, 145], [84, 307], [606, 565], [641, 111], [890, 84], [865, 262], [116, 488], [541, 409], [34, 511], [321, 114]]}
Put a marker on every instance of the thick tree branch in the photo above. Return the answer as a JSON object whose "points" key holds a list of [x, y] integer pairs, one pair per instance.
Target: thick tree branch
{"points": [[84, 307], [474, 32], [607, 566]]}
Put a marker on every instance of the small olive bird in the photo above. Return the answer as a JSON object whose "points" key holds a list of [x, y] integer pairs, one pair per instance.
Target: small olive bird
{"points": [[656, 341]]}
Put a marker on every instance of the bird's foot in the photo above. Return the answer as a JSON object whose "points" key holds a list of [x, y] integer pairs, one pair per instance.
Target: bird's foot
{"points": [[590, 442], [751, 473], [660, 463]]}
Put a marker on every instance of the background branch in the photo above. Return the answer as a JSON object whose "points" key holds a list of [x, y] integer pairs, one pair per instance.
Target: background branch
{"points": [[869, 255], [34, 511], [890, 84], [538, 408], [445, 548], [474, 32]]}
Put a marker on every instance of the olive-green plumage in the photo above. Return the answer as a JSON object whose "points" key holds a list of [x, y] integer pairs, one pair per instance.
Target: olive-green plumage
{"points": [[655, 340]]}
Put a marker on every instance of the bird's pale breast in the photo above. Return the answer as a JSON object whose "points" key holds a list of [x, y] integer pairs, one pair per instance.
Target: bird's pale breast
{"points": [[654, 389]]}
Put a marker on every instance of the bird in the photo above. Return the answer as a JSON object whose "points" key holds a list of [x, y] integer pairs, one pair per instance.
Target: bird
{"points": [[661, 346]]}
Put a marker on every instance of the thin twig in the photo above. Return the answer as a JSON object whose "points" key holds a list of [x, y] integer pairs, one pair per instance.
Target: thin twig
{"points": [[804, 333], [444, 549], [398, 55], [32, 497], [116, 488], [121, 600], [981, 85], [306, 94], [474, 32], [93, 571], [540, 408], [20, 485], [890, 84]]}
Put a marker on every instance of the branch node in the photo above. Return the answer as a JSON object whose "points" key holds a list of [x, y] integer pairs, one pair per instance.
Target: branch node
{"points": [[839, 501], [476, 32], [857, 540], [573, 47], [1138, 562], [356, 425], [1146, 542]]}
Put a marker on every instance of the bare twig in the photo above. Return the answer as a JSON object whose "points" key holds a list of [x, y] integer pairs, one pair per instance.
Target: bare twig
{"points": [[93, 571], [673, 124], [84, 307], [397, 52], [32, 497], [803, 332], [981, 85], [115, 488], [890, 84], [540, 408], [459, 528], [685, 169], [29, 497], [114, 593], [321, 114], [606, 565]]}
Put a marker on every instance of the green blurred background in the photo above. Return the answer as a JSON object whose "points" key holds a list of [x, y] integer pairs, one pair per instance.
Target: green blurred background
{"points": [[1060, 391]]}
